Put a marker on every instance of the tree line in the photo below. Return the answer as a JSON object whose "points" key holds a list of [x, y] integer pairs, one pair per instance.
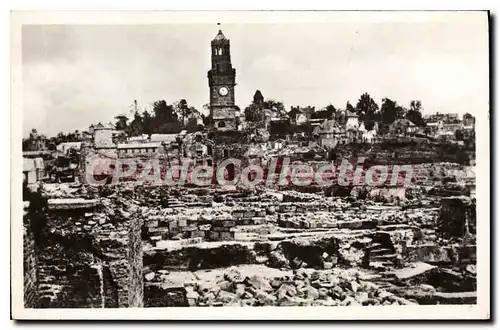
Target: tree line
{"points": [[164, 119], [366, 108]]}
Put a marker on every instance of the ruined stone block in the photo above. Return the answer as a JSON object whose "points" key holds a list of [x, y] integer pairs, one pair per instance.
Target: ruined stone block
{"points": [[457, 217], [213, 235]]}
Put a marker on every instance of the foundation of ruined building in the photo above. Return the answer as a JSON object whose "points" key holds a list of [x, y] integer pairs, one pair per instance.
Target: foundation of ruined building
{"points": [[133, 246], [84, 262]]}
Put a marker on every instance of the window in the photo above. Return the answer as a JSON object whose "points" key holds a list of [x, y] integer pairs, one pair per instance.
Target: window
{"points": [[222, 124]]}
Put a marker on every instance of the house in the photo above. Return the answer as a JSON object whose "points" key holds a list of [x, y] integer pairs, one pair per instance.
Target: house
{"points": [[139, 138], [133, 149], [33, 170], [277, 144], [301, 119], [352, 120], [432, 128], [65, 147], [402, 127], [103, 136], [352, 126], [328, 134], [300, 115], [340, 117], [445, 117]]}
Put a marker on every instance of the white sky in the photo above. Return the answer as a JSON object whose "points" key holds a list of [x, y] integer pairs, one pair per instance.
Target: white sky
{"points": [[76, 75]]}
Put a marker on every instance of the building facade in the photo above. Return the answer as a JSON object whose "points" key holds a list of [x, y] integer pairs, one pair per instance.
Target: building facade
{"points": [[221, 82]]}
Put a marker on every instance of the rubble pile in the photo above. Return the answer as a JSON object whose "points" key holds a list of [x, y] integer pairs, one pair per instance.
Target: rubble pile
{"points": [[187, 246], [305, 287]]}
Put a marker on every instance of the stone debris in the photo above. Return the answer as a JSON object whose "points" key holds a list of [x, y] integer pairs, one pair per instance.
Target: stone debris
{"points": [[305, 287], [329, 247]]}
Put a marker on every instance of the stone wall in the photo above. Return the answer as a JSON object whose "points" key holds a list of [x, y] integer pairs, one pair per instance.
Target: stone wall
{"points": [[136, 288], [457, 217], [89, 258], [29, 268]]}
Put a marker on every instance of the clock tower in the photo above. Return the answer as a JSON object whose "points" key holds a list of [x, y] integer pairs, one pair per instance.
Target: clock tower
{"points": [[221, 82]]}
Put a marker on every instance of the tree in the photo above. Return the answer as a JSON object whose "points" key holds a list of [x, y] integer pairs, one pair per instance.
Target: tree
{"points": [[163, 114], [280, 128], [181, 109], [327, 113], [170, 128], [276, 107], [416, 105], [401, 112], [254, 113], [136, 126], [390, 111], [192, 126], [369, 124], [121, 122], [147, 123], [366, 107], [414, 114], [330, 110]]}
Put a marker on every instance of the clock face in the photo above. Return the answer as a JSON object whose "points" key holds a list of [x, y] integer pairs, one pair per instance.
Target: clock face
{"points": [[223, 91]]}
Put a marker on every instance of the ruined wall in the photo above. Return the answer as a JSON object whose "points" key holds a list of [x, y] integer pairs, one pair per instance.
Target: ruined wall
{"points": [[457, 217], [68, 279], [29, 268], [156, 295], [90, 259], [136, 287]]}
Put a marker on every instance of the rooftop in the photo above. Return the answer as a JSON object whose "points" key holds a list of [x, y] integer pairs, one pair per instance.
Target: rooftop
{"points": [[138, 145], [220, 36]]}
